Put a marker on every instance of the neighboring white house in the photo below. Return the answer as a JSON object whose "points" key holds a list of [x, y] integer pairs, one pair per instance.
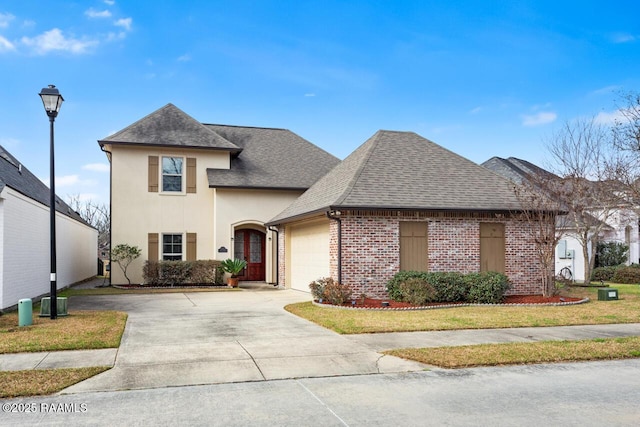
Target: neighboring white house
{"points": [[25, 237], [621, 224]]}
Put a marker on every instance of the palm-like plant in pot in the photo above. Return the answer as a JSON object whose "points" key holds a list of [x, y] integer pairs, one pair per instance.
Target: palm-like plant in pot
{"points": [[233, 267]]}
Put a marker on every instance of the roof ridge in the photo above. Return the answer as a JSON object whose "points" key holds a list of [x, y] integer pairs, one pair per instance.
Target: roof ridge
{"points": [[375, 139], [247, 127]]}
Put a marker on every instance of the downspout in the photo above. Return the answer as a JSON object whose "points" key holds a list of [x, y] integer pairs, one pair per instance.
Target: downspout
{"points": [[331, 215], [275, 230], [108, 153]]}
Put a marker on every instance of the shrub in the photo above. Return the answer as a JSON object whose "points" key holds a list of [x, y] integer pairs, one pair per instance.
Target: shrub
{"points": [[450, 287], [487, 287], [329, 290], [393, 286], [171, 273], [206, 272], [626, 274], [416, 290], [174, 272], [603, 273], [609, 254], [151, 273]]}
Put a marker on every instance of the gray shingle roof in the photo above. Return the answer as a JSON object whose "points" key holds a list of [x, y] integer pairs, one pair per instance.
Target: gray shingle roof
{"points": [[514, 169], [270, 158], [402, 170], [13, 174], [170, 126]]}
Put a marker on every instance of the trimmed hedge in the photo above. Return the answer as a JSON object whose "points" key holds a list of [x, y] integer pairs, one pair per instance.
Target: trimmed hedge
{"points": [[626, 274], [172, 273], [603, 273], [481, 288]]}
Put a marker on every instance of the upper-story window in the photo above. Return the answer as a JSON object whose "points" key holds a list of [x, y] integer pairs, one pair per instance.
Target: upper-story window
{"points": [[172, 174]]}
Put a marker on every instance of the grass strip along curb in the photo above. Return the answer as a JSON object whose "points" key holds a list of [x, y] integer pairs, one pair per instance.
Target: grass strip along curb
{"points": [[43, 381], [523, 353]]}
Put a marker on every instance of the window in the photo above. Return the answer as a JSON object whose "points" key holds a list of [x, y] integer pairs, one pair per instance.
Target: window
{"points": [[172, 174], [172, 247]]}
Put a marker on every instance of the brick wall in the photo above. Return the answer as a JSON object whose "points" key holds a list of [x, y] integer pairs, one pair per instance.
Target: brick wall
{"points": [[370, 248], [282, 280]]}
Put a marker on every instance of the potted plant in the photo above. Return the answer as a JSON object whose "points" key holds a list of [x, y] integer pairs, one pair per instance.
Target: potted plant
{"points": [[233, 267]]}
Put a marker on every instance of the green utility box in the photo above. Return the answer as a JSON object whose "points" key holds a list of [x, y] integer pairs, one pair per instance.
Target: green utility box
{"points": [[607, 294], [45, 306], [25, 312]]}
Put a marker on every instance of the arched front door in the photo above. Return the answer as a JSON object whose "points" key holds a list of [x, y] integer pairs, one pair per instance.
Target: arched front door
{"points": [[249, 245]]}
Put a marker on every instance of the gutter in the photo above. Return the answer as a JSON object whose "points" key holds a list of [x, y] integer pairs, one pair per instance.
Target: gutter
{"points": [[332, 215], [275, 230]]}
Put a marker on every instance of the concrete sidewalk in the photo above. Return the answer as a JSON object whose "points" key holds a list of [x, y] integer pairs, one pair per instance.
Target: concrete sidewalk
{"points": [[376, 342]]}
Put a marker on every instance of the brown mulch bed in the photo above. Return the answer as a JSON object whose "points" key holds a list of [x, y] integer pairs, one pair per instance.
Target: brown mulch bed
{"points": [[511, 299]]}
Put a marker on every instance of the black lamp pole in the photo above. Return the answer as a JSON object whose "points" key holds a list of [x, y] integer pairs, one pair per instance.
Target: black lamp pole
{"points": [[52, 101]]}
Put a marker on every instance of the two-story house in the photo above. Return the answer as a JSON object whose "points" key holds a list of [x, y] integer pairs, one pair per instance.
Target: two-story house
{"points": [[184, 190]]}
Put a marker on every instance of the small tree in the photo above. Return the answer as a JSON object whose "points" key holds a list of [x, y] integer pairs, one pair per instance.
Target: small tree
{"points": [[124, 255], [539, 211]]}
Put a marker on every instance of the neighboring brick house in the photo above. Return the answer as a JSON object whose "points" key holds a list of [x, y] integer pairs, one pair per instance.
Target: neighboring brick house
{"points": [[401, 202], [619, 225], [184, 190], [25, 237]]}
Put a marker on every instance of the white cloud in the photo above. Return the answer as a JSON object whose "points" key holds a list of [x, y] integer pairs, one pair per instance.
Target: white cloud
{"points": [[67, 180], [606, 90], [184, 58], [309, 95], [109, 2], [6, 45], [54, 40], [608, 118], [92, 13], [476, 110], [623, 38], [541, 118], [124, 23], [96, 167], [5, 18]]}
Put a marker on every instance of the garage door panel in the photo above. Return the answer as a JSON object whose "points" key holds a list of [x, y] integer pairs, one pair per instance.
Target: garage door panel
{"points": [[309, 254]]}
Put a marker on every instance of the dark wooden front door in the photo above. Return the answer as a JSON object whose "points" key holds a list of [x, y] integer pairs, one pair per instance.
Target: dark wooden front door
{"points": [[249, 245]]}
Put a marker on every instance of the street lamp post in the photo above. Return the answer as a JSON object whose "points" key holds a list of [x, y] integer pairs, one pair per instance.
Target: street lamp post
{"points": [[52, 101]]}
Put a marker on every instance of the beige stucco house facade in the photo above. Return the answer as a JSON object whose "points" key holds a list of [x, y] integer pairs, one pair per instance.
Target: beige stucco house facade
{"points": [[184, 190]]}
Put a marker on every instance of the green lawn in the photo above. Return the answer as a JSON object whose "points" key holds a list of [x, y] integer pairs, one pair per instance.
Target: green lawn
{"points": [[625, 310]]}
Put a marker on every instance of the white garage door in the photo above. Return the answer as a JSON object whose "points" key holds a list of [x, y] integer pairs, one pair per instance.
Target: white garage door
{"points": [[309, 254]]}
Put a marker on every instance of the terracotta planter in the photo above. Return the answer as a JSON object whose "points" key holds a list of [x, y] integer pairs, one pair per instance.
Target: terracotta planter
{"points": [[232, 282]]}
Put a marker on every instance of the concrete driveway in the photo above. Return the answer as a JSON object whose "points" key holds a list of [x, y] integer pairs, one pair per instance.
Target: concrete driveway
{"points": [[222, 337]]}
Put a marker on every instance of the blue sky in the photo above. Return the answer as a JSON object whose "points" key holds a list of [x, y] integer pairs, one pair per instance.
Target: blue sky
{"points": [[481, 78]]}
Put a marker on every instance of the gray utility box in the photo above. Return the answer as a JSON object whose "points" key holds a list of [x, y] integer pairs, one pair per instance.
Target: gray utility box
{"points": [[45, 306], [607, 294]]}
